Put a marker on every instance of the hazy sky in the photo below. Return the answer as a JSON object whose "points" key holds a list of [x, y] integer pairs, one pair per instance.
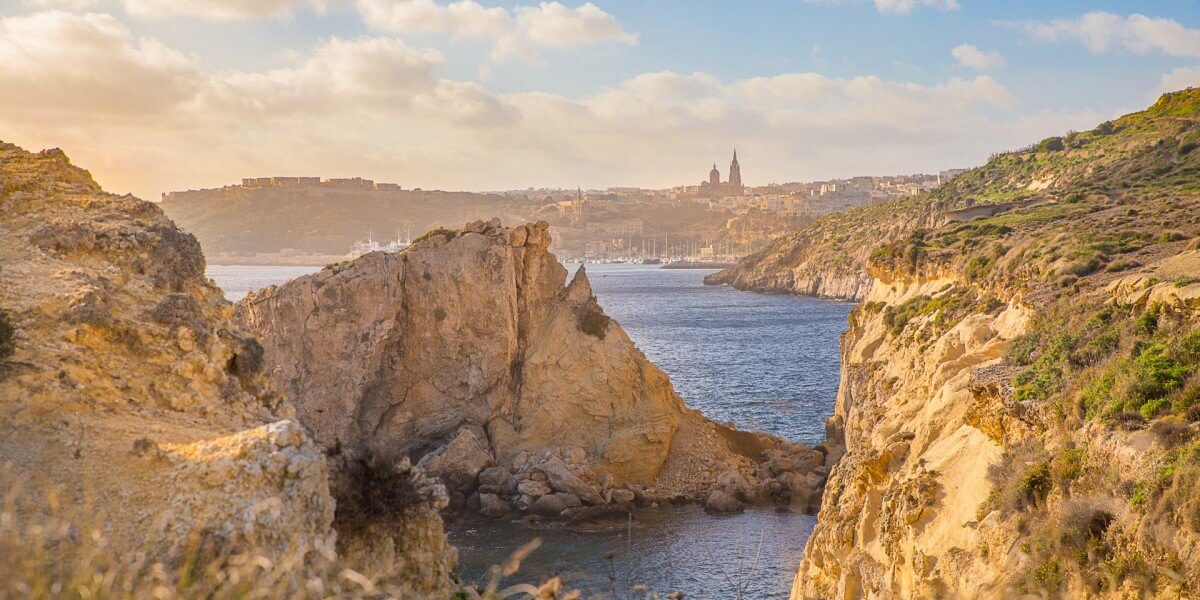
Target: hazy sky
{"points": [[157, 95]]}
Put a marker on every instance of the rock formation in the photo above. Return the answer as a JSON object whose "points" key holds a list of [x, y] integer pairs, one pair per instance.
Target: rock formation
{"points": [[129, 402], [469, 353], [1019, 406]]}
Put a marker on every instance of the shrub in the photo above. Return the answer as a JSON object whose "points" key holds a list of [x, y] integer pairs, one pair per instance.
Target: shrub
{"points": [[1022, 350], [1050, 144], [8, 343], [1067, 467], [449, 233], [1020, 479], [1147, 323], [591, 320], [1105, 128]]}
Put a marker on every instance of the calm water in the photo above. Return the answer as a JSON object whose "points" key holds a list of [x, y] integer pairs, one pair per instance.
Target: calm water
{"points": [[761, 361]]}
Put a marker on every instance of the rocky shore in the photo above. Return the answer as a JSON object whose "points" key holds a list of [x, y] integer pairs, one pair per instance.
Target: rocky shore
{"points": [[470, 355]]}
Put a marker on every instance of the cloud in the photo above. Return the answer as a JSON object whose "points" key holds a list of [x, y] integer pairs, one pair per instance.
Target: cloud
{"points": [[517, 34], [465, 18], [61, 62], [901, 6], [1178, 79], [147, 118], [219, 10], [1103, 32], [968, 55], [906, 6]]}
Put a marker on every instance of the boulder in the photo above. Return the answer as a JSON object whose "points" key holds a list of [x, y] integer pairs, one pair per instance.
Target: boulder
{"points": [[563, 480], [548, 506], [458, 462], [494, 476], [533, 488], [570, 500], [491, 506], [622, 496], [721, 503]]}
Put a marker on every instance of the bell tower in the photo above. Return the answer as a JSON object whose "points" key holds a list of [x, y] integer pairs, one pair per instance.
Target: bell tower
{"points": [[735, 175]]}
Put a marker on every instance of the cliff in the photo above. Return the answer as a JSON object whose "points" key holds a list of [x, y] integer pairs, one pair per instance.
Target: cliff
{"points": [[470, 353], [1019, 397], [136, 421]]}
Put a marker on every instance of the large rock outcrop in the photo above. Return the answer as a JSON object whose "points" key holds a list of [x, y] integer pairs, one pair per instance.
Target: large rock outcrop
{"points": [[469, 351], [1019, 409], [130, 405]]}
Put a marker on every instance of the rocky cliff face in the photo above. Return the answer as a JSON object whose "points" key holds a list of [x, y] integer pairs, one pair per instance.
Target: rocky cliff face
{"points": [[1019, 403], [129, 402], [827, 259], [470, 352]]}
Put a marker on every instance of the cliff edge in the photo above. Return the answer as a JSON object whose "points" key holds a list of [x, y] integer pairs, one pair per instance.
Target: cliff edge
{"points": [[1020, 397], [136, 421]]}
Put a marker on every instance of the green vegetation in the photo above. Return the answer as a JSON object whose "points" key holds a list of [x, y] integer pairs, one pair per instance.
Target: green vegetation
{"points": [[449, 233]]}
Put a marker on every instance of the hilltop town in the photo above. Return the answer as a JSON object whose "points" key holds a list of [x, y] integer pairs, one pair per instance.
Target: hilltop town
{"points": [[310, 220]]}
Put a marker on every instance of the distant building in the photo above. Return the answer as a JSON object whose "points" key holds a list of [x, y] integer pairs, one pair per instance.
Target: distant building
{"points": [[617, 227], [714, 188]]}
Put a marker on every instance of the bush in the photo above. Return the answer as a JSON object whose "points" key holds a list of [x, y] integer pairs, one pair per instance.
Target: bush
{"points": [[591, 320], [1023, 349], [1050, 144], [8, 343], [1105, 128], [1067, 467], [449, 233]]}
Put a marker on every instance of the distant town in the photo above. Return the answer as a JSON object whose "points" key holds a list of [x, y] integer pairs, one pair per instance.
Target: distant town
{"points": [[715, 221]]}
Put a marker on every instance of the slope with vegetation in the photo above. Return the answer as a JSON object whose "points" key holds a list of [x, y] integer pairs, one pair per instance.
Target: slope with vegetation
{"points": [[1021, 390]]}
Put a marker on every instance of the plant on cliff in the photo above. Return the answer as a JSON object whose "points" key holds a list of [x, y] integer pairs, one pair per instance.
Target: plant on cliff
{"points": [[8, 332], [448, 233], [590, 319]]}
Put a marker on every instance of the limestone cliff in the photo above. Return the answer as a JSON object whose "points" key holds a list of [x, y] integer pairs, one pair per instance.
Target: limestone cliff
{"points": [[129, 403], [469, 350], [1020, 390]]}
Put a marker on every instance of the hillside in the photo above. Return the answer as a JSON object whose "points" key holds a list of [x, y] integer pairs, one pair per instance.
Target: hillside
{"points": [[1149, 150], [1020, 397]]}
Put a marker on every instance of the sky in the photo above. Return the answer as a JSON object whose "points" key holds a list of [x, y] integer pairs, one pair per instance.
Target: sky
{"points": [[160, 95]]}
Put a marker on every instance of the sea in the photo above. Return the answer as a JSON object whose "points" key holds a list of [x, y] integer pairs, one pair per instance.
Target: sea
{"points": [[761, 362]]}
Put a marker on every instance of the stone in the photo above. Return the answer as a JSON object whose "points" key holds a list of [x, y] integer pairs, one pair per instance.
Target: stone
{"points": [[722, 503], [494, 476], [533, 488], [561, 479], [491, 506], [570, 500], [458, 462], [622, 496], [548, 506]]}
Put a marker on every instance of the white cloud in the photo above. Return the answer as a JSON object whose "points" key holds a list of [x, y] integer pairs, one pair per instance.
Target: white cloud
{"points": [[968, 55], [1178, 79], [517, 34], [465, 18], [219, 10], [1103, 31], [57, 61], [147, 118], [901, 6], [211, 9], [905, 6]]}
